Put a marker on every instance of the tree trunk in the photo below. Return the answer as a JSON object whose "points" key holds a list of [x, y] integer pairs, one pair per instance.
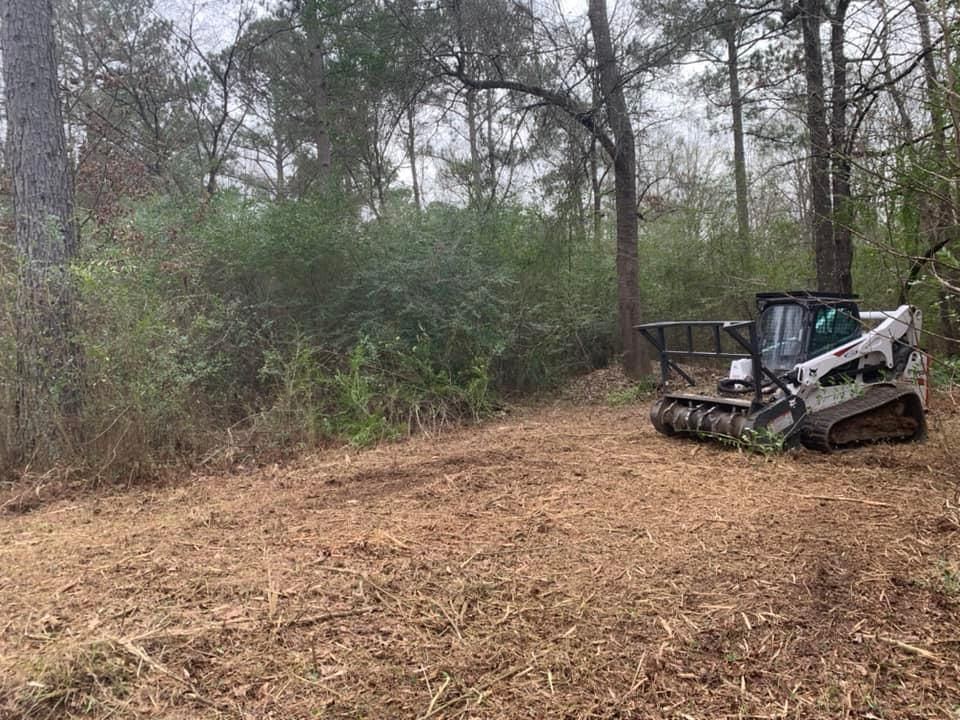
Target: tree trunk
{"points": [[319, 100], [48, 357], [936, 212], [842, 215], [210, 186], [739, 152], [473, 137], [596, 192], [491, 169], [279, 157], [412, 154], [596, 178], [636, 359], [951, 201], [811, 12]]}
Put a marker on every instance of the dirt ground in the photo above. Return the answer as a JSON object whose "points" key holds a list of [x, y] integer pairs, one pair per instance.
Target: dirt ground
{"points": [[562, 561]]}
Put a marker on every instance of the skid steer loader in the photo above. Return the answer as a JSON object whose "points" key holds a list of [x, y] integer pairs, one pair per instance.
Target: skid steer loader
{"points": [[811, 369]]}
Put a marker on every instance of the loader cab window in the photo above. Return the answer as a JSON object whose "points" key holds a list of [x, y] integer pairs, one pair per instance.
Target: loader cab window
{"points": [[781, 336], [832, 327]]}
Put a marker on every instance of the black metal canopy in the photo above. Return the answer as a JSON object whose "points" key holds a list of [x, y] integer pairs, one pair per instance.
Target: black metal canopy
{"points": [[803, 297]]}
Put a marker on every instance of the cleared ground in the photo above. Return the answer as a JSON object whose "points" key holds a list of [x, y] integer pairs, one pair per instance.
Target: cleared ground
{"points": [[561, 562]]}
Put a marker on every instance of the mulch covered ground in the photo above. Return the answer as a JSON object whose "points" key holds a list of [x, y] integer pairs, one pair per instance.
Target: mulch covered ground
{"points": [[561, 562]]}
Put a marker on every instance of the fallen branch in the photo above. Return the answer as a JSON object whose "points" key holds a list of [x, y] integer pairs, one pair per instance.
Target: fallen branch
{"points": [[326, 617], [141, 655], [840, 498], [516, 671], [250, 622], [922, 652]]}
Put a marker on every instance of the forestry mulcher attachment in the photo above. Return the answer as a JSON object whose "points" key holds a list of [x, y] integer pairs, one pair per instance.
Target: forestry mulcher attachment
{"points": [[811, 369]]}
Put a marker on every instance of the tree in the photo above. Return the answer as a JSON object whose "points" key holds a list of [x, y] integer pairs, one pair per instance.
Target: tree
{"points": [[624, 155], [608, 121], [840, 105], [728, 33], [48, 357], [811, 17], [841, 168], [745, 32], [730, 30], [312, 16], [268, 141], [830, 137], [123, 102], [211, 88], [327, 78], [276, 140], [938, 211]]}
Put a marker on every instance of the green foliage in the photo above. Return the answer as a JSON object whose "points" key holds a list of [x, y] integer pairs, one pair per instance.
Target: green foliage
{"points": [[150, 356], [423, 317], [298, 382], [694, 266], [311, 321], [631, 394], [300, 323], [945, 371], [949, 577], [480, 291], [359, 415], [764, 440]]}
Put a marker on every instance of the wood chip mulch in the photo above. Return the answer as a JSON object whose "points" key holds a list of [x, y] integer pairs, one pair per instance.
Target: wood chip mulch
{"points": [[565, 562]]}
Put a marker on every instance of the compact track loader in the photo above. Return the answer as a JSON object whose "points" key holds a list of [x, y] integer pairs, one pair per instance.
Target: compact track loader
{"points": [[811, 369]]}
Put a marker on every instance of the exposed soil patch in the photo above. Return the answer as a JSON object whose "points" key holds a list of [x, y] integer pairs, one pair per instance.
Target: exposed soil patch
{"points": [[565, 562]]}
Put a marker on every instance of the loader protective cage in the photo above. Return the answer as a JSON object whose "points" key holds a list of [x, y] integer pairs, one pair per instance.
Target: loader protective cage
{"points": [[743, 332]]}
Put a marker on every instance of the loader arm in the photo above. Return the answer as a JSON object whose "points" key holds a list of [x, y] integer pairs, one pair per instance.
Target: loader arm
{"points": [[891, 345]]}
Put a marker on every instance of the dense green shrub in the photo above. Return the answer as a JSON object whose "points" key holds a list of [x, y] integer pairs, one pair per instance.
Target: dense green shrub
{"points": [[299, 322], [478, 289], [698, 270], [294, 323]]}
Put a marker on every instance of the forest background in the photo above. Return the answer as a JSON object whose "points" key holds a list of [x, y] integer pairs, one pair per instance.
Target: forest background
{"points": [[304, 220]]}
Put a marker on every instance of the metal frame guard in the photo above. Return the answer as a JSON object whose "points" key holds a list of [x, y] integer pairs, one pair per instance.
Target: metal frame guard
{"points": [[655, 334]]}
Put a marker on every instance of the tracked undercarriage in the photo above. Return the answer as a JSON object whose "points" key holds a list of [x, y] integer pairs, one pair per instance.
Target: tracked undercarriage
{"points": [[887, 413], [811, 370]]}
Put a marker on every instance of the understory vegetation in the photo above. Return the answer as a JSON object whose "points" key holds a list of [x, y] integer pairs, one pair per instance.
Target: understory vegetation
{"points": [[277, 224], [235, 326], [296, 323]]}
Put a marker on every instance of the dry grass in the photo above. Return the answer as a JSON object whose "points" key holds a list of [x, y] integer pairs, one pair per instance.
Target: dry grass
{"points": [[565, 562]]}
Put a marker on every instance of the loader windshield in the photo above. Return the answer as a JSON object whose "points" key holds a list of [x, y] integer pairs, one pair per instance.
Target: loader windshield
{"points": [[781, 336]]}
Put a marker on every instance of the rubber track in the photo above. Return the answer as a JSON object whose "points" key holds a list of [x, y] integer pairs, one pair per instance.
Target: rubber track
{"points": [[818, 425]]}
